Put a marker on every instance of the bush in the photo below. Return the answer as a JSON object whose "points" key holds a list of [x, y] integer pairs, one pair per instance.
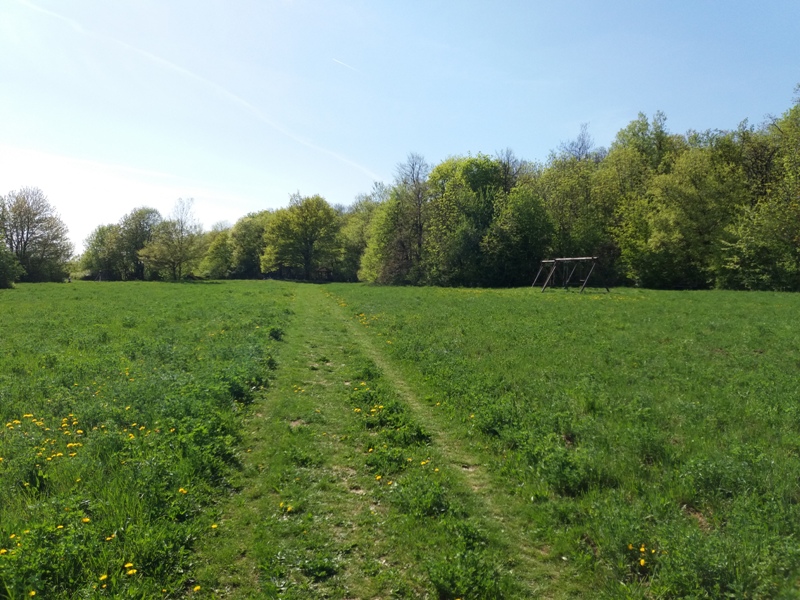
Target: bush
{"points": [[10, 269]]}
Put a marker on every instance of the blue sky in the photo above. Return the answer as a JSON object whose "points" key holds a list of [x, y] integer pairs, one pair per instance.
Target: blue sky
{"points": [[107, 106]]}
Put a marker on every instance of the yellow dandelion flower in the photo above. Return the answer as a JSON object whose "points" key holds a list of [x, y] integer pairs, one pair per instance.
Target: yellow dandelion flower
{"points": [[85, 520], [641, 562], [103, 577], [32, 593], [128, 565], [3, 551], [378, 477], [182, 491], [130, 572], [630, 546], [197, 588], [214, 526]]}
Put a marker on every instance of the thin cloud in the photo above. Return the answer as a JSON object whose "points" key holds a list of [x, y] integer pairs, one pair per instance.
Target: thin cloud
{"points": [[235, 99], [337, 61]]}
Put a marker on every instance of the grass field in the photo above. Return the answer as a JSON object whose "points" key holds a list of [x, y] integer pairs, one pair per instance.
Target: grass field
{"points": [[266, 439]]}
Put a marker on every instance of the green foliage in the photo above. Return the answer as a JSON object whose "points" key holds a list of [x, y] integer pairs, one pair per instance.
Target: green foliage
{"points": [[460, 212], [32, 231], [111, 252], [217, 262], [301, 237], [10, 269], [176, 247], [103, 254], [247, 244], [355, 231]]}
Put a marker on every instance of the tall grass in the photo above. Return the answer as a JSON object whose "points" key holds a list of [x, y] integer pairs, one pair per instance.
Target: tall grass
{"points": [[655, 436], [120, 407]]}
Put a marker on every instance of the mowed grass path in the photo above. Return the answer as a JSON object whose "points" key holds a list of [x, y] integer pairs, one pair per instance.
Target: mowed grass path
{"points": [[351, 490]]}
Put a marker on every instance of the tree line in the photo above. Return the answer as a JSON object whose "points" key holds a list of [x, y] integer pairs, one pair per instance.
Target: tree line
{"points": [[660, 209]]}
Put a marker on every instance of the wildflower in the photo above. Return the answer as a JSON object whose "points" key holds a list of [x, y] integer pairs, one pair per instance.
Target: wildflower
{"points": [[130, 572], [630, 546], [642, 548], [377, 477], [85, 520], [196, 588], [128, 565], [214, 526], [370, 450], [60, 527], [641, 562], [103, 577], [3, 551], [32, 593], [182, 491]]}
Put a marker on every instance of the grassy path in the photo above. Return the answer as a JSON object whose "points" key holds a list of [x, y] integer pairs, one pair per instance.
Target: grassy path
{"points": [[354, 488], [506, 513]]}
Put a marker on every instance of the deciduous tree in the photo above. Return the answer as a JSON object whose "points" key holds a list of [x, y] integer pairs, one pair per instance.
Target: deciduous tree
{"points": [[35, 234], [302, 236], [176, 245]]}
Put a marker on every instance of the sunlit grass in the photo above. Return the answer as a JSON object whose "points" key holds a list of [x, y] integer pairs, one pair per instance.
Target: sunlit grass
{"points": [[121, 409], [636, 419]]}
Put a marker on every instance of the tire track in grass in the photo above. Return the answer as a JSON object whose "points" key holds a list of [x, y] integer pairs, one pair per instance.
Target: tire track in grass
{"points": [[306, 520], [506, 513]]}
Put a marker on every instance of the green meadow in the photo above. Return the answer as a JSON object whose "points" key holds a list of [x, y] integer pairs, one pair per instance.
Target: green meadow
{"points": [[281, 440]]}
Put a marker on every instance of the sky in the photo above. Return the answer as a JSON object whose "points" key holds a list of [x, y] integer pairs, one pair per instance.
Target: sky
{"points": [[109, 106]]}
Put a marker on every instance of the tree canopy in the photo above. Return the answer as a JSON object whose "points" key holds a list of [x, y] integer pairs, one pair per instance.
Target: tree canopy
{"points": [[667, 210], [35, 235]]}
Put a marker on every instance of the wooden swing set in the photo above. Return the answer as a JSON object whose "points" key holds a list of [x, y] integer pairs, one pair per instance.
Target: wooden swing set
{"points": [[565, 269]]}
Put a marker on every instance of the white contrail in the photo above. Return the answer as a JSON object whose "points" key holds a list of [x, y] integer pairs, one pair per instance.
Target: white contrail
{"points": [[238, 100], [344, 64]]}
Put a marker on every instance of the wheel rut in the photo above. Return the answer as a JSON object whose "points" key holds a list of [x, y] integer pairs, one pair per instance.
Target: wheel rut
{"points": [[538, 575]]}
